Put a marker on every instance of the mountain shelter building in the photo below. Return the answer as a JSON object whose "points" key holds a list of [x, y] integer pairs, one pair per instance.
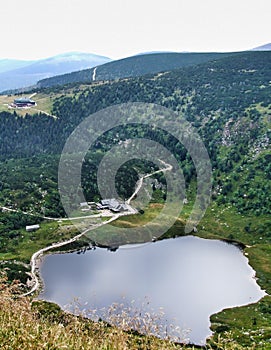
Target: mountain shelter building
{"points": [[24, 102]]}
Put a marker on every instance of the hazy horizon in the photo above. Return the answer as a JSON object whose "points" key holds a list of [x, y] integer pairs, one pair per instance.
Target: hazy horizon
{"points": [[135, 54], [117, 29]]}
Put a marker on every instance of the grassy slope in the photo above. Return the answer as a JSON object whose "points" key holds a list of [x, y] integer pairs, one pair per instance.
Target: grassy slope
{"points": [[41, 325], [31, 242], [44, 103], [44, 100]]}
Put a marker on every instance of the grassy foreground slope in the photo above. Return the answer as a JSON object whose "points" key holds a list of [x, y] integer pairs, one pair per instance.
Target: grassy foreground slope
{"points": [[27, 325]]}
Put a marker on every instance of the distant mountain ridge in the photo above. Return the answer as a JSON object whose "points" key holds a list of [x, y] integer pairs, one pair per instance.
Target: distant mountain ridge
{"points": [[133, 66], [7, 64], [15, 74], [75, 67], [266, 47]]}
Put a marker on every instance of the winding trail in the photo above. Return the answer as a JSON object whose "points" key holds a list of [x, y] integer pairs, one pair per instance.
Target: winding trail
{"points": [[34, 94], [31, 214], [46, 113], [94, 74], [37, 255], [107, 213], [140, 181]]}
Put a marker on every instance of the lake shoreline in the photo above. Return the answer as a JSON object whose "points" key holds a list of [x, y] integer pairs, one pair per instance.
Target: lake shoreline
{"points": [[112, 248], [204, 239]]}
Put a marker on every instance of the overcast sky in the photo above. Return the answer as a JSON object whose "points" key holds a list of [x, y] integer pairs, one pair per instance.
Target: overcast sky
{"points": [[32, 29]]}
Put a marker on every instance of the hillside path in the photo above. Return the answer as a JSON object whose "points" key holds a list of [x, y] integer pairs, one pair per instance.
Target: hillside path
{"points": [[36, 256]]}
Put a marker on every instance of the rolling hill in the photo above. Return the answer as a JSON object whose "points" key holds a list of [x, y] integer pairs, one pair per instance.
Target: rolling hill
{"points": [[28, 73], [133, 66]]}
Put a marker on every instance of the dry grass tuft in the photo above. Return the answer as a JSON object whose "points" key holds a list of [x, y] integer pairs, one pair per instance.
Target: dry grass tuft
{"points": [[27, 325]]}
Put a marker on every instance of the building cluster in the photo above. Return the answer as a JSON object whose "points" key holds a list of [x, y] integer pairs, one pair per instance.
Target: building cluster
{"points": [[113, 205]]}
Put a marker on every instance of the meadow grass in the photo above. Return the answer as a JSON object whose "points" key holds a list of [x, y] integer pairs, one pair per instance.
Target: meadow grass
{"points": [[29, 325]]}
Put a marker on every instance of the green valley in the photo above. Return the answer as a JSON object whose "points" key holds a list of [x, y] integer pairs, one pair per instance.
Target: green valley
{"points": [[227, 98]]}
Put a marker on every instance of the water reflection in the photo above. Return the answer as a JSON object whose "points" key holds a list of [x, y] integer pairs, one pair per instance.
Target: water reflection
{"points": [[189, 277]]}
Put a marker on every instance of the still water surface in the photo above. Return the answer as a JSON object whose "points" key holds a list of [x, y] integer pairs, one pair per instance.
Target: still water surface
{"points": [[189, 277]]}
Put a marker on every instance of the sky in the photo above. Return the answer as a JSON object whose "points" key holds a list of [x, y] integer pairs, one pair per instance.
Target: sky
{"points": [[34, 29]]}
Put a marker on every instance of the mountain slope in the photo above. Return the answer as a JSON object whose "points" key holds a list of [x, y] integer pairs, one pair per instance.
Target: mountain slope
{"points": [[134, 66], [29, 74], [228, 100]]}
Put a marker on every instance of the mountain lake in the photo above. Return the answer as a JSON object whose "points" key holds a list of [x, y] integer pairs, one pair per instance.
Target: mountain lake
{"points": [[179, 282]]}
